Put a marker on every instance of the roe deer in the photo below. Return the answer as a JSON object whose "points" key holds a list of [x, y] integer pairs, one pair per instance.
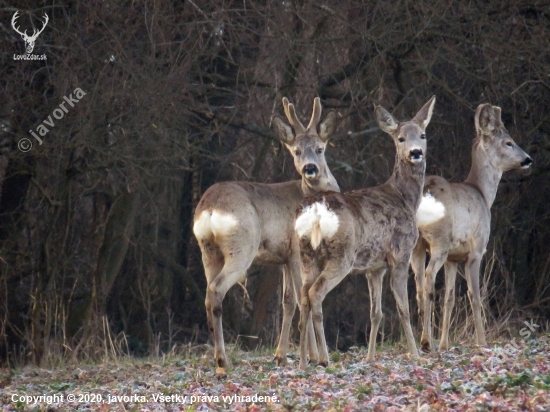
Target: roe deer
{"points": [[454, 221], [367, 231], [241, 223]]}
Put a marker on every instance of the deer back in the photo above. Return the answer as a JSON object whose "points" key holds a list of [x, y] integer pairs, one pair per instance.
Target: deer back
{"points": [[256, 216]]}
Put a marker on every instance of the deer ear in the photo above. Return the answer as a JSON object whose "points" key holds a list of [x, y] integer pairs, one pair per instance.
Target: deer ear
{"points": [[385, 120], [327, 126], [486, 118], [283, 129], [424, 115]]}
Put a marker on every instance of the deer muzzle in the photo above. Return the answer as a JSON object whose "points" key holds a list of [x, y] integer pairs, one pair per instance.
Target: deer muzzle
{"points": [[526, 163], [416, 155], [310, 170]]}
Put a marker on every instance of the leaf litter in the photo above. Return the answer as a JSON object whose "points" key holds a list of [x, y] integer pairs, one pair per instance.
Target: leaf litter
{"points": [[465, 378]]}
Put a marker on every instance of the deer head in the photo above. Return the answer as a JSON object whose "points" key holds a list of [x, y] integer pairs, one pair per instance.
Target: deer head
{"points": [[501, 150], [307, 144], [409, 137], [29, 40]]}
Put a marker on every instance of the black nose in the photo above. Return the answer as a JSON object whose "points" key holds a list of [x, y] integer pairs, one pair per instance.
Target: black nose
{"points": [[527, 162], [416, 154], [310, 169]]}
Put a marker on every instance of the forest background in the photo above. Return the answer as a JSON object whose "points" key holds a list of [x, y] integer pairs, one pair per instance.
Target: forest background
{"points": [[96, 246]]}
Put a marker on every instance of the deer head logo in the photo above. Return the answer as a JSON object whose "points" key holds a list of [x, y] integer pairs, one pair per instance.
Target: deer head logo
{"points": [[29, 40]]}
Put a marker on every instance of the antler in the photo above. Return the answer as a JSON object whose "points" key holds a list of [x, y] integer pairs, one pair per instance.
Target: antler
{"points": [[36, 33], [291, 116], [15, 16], [498, 115], [316, 115]]}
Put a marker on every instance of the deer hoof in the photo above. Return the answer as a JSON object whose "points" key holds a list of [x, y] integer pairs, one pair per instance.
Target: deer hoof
{"points": [[425, 346], [281, 360], [222, 362]]}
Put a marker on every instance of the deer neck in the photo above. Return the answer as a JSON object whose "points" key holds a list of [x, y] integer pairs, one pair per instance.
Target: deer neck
{"points": [[408, 179], [322, 184], [483, 174]]}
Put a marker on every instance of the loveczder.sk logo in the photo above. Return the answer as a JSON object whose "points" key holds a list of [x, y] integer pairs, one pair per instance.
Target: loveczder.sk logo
{"points": [[29, 40]]}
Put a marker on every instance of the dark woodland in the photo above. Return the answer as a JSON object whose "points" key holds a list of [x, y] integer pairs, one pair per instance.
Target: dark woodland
{"points": [[96, 242]]}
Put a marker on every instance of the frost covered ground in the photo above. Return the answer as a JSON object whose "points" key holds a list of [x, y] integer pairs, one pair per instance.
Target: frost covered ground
{"points": [[467, 378]]}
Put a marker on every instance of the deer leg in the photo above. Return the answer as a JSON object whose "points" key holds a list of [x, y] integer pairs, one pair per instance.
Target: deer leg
{"points": [[472, 277], [375, 281], [305, 316], [329, 278], [213, 262], [418, 265], [437, 258], [312, 341], [309, 272], [294, 285], [232, 271], [399, 277], [289, 307], [308, 341], [449, 303]]}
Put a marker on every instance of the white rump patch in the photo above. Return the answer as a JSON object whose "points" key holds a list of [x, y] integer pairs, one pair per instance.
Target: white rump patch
{"points": [[222, 224], [429, 211], [316, 222], [201, 228], [213, 223], [328, 220], [305, 222]]}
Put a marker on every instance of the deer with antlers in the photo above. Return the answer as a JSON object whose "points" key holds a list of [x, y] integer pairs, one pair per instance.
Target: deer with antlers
{"points": [[454, 220], [369, 231], [241, 223], [29, 40]]}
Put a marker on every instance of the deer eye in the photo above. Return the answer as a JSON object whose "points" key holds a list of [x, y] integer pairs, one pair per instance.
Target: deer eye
{"points": [[297, 152], [401, 139], [423, 136], [509, 144], [319, 150]]}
